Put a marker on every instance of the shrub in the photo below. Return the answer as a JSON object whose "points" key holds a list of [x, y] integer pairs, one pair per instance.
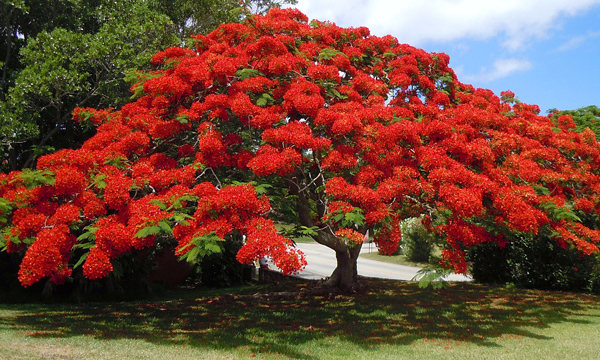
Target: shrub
{"points": [[417, 242], [535, 263], [222, 269]]}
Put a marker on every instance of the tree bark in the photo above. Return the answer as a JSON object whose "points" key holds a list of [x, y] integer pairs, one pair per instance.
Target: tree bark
{"points": [[345, 275]]}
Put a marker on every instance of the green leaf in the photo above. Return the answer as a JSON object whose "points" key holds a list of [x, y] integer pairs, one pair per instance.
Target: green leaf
{"points": [[158, 203], [89, 233], [541, 190], [182, 218], [99, 182], [559, 213], [446, 78], [328, 54], [262, 188], [183, 119], [165, 227], [118, 162], [191, 256], [212, 248], [350, 219], [148, 231], [431, 277], [88, 245], [264, 99], [202, 246], [81, 260], [566, 214], [355, 218], [34, 178], [338, 217], [337, 94], [261, 101], [5, 209], [244, 74], [309, 231]]}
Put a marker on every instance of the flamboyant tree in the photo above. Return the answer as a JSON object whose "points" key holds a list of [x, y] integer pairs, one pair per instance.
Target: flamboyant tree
{"points": [[332, 128]]}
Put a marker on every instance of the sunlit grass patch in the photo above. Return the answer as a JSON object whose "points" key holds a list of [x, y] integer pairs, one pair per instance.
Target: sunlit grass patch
{"points": [[388, 319]]}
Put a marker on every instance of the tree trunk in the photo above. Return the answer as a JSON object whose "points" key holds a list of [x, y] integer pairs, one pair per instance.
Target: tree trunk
{"points": [[345, 275]]}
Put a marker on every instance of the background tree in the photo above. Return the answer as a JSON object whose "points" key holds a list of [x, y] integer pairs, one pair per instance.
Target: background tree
{"points": [[60, 54], [585, 117], [197, 17], [356, 132], [77, 55], [22, 20], [261, 7]]}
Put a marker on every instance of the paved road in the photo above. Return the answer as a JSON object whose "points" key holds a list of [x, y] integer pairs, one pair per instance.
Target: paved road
{"points": [[321, 263]]}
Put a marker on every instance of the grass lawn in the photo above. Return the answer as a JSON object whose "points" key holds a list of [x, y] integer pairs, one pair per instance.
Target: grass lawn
{"points": [[394, 259], [289, 227], [390, 319]]}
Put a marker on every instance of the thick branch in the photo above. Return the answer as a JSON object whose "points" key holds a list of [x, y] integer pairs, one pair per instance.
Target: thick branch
{"points": [[324, 236]]}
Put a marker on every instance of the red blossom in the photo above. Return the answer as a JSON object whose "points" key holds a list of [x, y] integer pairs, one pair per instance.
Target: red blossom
{"points": [[352, 236], [97, 265], [388, 239]]}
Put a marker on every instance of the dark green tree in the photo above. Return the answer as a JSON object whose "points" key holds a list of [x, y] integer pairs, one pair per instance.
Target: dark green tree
{"points": [[585, 117], [197, 16], [63, 69], [22, 20], [61, 54]]}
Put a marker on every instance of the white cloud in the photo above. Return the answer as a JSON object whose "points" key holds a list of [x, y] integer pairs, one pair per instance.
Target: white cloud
{"points": [[501, 69], [417, 22], [577, 41], [572, 43]]}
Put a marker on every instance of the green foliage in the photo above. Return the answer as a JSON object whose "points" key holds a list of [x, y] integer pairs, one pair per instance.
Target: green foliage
{"points": [[585, 117], [263, 6], [61, 54], [244, 74], [432, 276], [196, 17], [350, 219], [64, 69], [328, 54], [221, 269], [559, 213], [202, 246], [5, 209], [34, 178], [265, 99], [308, 231], [536, 263]]}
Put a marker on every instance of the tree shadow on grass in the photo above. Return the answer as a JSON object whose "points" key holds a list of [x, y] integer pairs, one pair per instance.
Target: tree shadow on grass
{"points": [[395, 313]]}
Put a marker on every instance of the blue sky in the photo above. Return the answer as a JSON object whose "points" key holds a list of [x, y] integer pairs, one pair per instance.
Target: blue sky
{"points": [[546, 51]]}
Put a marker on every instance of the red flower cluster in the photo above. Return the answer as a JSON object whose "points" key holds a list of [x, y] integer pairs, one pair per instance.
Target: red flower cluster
{"points": [[351, 236], [47, 256], [263, 240], [388, 239]]}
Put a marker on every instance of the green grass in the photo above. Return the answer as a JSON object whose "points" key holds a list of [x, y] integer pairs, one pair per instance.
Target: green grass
{"points": [[289, 227], [388, 320], [394, 259]]}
